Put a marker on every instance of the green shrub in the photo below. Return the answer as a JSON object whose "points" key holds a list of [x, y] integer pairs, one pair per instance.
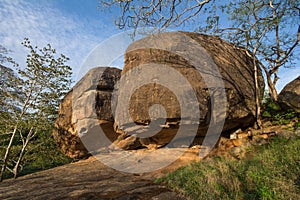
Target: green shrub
{"points": [[278, 116]]}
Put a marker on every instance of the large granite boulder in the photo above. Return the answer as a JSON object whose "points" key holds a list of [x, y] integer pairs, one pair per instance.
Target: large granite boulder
{"points": [[155, 100], [289, 97], [85, 113]]}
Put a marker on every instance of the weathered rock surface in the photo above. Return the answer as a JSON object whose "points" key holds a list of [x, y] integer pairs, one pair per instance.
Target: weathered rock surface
{"points": [[197, 58], [85, 113], [290, 95]]}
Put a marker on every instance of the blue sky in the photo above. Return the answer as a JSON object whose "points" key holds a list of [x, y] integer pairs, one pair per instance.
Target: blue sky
{"points": [[74, 28]]}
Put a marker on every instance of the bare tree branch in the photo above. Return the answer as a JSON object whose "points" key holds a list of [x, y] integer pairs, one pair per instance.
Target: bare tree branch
{"points": [[154, 13]]}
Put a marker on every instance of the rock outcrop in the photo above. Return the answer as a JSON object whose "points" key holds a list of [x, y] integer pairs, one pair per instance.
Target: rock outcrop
{"points": [[84, 111], [289, 97], [212, 67], [175, 89]]}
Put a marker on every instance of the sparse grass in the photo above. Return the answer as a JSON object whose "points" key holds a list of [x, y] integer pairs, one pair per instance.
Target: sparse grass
{"points": [[272, 172]]}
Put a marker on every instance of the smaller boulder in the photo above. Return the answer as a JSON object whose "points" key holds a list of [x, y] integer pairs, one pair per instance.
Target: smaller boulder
{"points": [[85, 113], [289, 97]]}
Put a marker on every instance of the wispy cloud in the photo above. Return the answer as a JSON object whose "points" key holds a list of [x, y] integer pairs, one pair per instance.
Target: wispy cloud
{"points": [[73, 35], [43, 23]]}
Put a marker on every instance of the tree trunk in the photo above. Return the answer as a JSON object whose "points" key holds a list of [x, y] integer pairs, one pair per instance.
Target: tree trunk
{"points": [[257, 95], [16, 167], [271, 87], [5, 159]]}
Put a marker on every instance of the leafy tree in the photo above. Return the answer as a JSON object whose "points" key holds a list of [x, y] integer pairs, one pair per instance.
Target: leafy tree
{"points": [[6, 74], [269, 29], [3, 54], [35, 92], [7, 77]]}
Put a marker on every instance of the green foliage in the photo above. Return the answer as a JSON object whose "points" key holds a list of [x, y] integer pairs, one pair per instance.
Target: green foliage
{"points": [[285, 118], [46, 79], [278, 116], [31, 97], [272, 173], [297, 124], [42, 153]]}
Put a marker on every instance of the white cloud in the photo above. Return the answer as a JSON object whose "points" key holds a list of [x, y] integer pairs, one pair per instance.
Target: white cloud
{"points": [[73, 35], [43, 23]]}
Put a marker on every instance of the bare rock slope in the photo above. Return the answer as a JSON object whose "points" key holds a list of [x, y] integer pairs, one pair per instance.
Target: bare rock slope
{"points": [[90, 179]]}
